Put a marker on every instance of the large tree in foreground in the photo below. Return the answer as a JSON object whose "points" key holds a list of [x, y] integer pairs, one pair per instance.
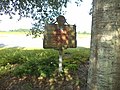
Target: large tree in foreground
{"points": [[104, 71]]}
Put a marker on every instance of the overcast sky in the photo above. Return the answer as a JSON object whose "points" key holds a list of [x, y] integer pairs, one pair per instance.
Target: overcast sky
{"points": [[75, 15]]}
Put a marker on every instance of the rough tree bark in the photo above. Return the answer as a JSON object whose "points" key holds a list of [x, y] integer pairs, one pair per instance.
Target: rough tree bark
{"points": [[104, 70]]}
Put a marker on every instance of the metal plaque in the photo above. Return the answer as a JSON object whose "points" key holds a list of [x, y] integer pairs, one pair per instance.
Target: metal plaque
{"points": [[56, 37]]}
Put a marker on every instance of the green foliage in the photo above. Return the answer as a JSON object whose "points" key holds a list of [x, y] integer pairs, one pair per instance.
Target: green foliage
{"points": [[42, 11], [12, 56], [43, 63], [41, 67], [33, 7], [74, 57], [6, 69]]}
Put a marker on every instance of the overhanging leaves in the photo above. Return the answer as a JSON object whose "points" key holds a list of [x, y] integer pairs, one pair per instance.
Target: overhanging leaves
{"points": [[42, 11]]}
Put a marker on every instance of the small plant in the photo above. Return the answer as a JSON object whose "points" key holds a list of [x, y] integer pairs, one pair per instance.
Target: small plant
{"points": [[4, 70]]}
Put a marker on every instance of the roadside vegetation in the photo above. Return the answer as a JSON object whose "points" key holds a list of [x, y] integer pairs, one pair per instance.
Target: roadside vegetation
{"points": [[26, 32], [15, 32], [39, 68]]}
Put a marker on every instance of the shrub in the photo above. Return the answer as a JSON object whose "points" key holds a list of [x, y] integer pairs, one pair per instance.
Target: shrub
{"points": [[40, 67], [74, 57], [41, 62]]}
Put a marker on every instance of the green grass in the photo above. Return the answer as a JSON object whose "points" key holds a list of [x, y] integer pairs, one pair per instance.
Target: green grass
{"points": [[83, 35], [13, 33]]}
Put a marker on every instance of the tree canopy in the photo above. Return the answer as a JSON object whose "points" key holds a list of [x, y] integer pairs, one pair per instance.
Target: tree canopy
{"points": [[42, 11]]}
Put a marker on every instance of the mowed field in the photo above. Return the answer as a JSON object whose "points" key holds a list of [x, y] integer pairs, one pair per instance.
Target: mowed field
{"points": [[19, 39]]}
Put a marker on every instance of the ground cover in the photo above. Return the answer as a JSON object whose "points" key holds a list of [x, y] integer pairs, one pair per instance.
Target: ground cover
{"points": [[38, 69]]}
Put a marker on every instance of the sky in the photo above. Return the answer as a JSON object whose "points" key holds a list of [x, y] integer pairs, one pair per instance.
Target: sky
{"points": [[78, 15]]}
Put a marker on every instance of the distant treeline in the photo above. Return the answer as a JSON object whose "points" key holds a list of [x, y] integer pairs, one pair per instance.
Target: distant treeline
{"points": [[84, 32], [28, 30], [20, 30]]}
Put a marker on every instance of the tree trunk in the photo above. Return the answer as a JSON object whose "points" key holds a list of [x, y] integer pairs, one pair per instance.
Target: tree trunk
{"points": [[104, 70]]}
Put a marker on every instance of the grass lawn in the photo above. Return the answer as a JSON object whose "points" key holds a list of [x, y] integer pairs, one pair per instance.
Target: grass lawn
{"points": [[83, 35], [13, 33], [23, 33]]}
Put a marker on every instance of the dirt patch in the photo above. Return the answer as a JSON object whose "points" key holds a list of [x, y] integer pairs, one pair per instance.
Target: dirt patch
{"points": [[71, 81]]}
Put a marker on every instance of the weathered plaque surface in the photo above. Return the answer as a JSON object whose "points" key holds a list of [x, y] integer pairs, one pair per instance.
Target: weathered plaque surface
{"points": [[56, 38]]}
